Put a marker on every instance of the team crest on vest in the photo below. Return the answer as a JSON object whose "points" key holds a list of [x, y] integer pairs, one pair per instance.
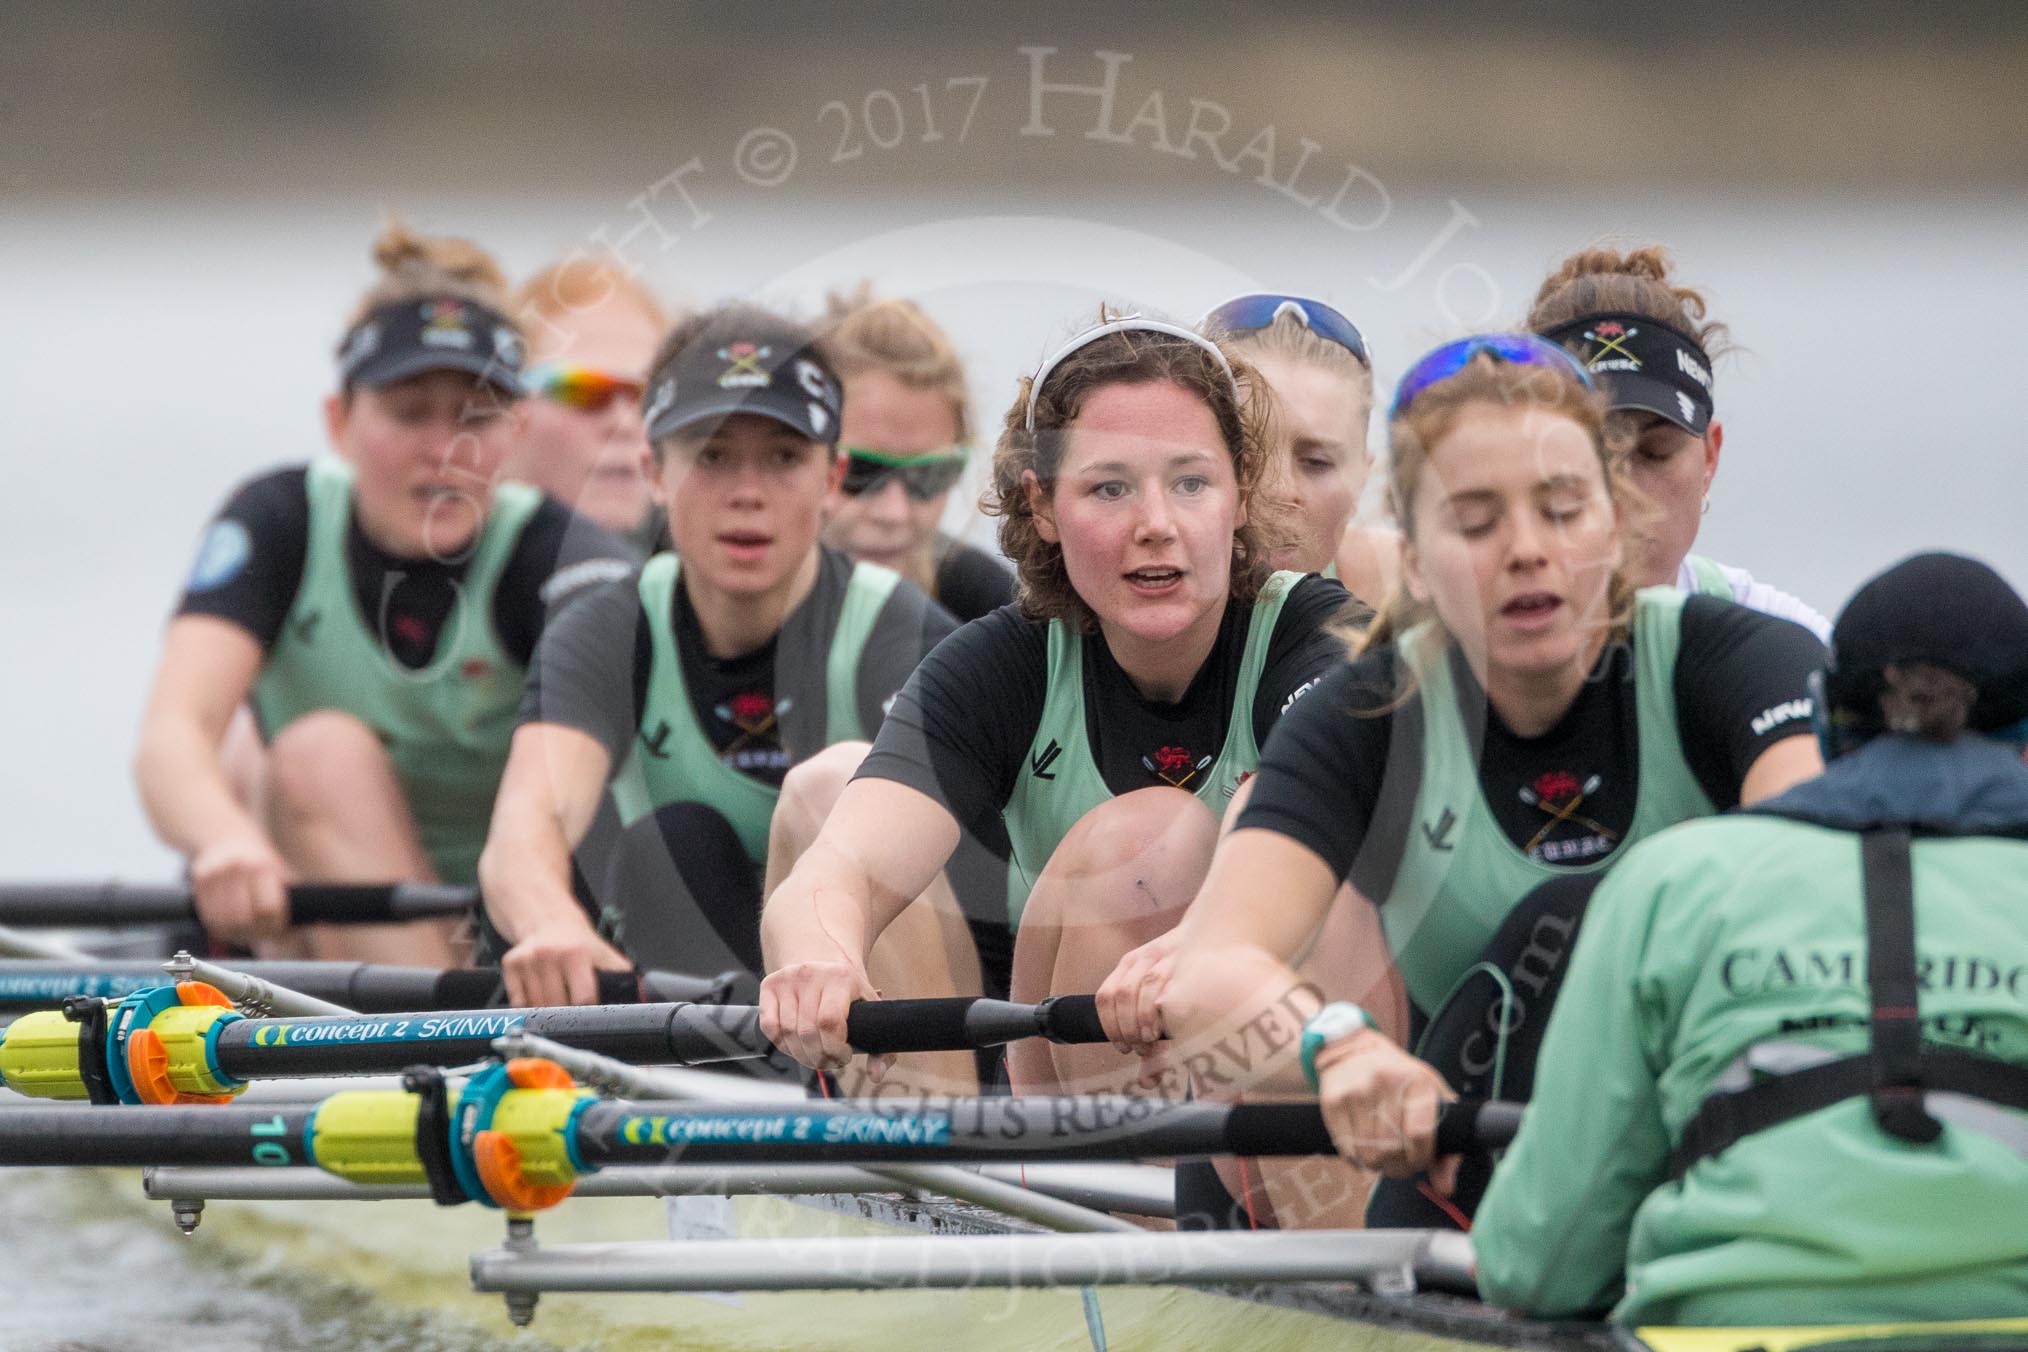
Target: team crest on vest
{"points": [[1176, 766], [475, 669], [753, 713], [743, 366], [1559, 794]]}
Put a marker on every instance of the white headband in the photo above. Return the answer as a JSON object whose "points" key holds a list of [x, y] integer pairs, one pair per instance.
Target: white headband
{"points": [[1129, 324]]}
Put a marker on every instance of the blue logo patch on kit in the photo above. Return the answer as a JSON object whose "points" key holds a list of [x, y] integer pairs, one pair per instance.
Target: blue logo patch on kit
{"points": [[222, 556]]}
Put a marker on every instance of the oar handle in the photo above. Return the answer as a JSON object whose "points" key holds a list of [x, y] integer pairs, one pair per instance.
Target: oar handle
{"points": [[963, 1023], [376, 903], [1477, 1124], [93, 903], [117, 903], [1463, 1125]]}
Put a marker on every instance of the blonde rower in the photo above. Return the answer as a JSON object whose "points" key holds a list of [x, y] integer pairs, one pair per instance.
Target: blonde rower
{"points": [[1315, 361], [1517, 716]]}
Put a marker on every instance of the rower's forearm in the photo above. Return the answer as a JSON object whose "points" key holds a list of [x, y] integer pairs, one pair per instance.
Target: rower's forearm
{"points": [[183, 788], [524, 874], [822, 912], [1236, 1017]]}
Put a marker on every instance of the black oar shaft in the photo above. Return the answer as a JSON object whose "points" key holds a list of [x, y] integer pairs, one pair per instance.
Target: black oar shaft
{"points": [[117, 903], [142, 1136]]}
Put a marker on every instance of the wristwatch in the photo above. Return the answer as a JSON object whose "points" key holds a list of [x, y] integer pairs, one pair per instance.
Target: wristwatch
{"points": [[1333, 1023]]}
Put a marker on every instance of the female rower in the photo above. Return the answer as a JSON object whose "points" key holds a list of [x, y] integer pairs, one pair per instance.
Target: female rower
{"points": [[1791, 1057], [1516, 714], [692, 690], [1105, 721], [591, 330], [904, 441], [1646, 340], [1315, 361], [379, 608]]}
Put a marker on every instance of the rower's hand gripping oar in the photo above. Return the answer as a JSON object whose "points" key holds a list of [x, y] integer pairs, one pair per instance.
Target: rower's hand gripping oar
{"points": [[114, 904]]}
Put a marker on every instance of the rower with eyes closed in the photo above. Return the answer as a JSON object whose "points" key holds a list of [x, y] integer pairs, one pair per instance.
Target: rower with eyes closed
{"points": [[1516, 715]]}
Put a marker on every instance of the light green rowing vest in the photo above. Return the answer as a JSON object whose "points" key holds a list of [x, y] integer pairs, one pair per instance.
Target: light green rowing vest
{"points": [[1460, 874], [688, 768], [1062, 781], [1707, 578], [446, 726]]}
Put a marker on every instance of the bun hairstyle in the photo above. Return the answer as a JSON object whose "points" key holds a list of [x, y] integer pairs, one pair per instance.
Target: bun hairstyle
{"points": [[1603, 280], [1921, 699], [865, 333], [1128, 357], [1431, 415], [422, 267]]}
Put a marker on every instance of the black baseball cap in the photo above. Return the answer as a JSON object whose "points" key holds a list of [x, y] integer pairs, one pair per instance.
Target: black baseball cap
{"points": [[733, 369], [1944, 609], [1643, 364], [442, 333]]}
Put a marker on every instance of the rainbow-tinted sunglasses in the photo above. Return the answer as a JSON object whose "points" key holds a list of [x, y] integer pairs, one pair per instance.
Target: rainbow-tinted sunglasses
{"points": [[1515, 349], [580, 387], [923, 477]]}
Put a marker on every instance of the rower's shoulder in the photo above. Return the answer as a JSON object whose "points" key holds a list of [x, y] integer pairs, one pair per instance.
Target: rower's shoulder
{"points": [[280, 491], [1315, 601]]}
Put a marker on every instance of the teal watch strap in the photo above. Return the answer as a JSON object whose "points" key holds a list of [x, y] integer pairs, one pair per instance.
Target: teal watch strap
{"points": [[1333, 1023]]}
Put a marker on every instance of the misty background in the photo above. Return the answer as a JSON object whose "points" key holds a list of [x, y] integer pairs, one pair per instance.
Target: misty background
{"points": [[188, 194]]}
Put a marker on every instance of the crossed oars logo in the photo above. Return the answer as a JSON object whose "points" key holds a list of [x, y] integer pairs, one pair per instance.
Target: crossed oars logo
{"points": [[1611, 339], [1564, 812]]}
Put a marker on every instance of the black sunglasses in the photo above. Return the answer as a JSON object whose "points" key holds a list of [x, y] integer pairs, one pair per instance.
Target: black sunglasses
{"points": [[922, 476]]}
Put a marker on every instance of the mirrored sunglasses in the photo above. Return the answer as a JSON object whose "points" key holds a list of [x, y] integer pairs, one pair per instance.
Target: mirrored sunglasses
{"points": [[1248, 314], [1515, 349]]}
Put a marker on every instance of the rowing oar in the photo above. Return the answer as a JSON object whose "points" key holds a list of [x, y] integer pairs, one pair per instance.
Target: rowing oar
{"points": [[371, 988], [518, 1132], [185, 1044], [114, 904]]}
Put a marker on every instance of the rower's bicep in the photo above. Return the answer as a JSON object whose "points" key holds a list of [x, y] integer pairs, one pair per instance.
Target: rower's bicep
{"points": [[1781, 767], [206, 672], [1742, 694]]}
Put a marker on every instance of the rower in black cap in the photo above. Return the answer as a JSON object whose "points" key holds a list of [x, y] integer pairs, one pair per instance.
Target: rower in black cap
{"points": [[377, 607], [1786, 1079], [1644, 337], [691, 690]]}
